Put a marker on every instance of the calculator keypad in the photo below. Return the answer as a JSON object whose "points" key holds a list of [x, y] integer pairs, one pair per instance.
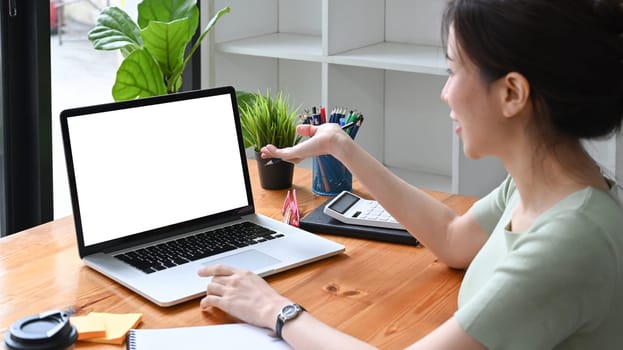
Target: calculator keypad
{"points": [[376, 212]]}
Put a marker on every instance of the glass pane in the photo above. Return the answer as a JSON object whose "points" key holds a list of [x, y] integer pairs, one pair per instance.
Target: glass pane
{"points": [[81, 75]]}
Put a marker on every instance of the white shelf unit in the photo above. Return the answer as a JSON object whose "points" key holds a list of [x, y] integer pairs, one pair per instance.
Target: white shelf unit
{"points": [[381, 57]]}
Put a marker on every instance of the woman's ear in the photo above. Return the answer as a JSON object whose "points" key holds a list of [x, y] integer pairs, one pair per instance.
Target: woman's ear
{"points": [[515, 93]]}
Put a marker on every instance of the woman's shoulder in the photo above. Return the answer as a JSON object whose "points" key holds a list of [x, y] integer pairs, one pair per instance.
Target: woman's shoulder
{"points": [[589, 204], [589, 218]]}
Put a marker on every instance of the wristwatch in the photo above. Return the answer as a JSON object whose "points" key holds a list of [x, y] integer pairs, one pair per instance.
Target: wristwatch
{"points": [[288, 313]]}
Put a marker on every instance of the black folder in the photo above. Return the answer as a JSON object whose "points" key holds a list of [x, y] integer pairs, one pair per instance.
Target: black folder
{"points": [[319, 222]]}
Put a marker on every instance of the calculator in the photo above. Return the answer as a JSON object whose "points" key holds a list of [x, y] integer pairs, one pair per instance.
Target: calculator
{"points": [[349, 208]]}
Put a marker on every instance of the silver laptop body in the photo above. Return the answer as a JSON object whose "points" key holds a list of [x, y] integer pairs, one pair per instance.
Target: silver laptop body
{"points": [[151, 171]]}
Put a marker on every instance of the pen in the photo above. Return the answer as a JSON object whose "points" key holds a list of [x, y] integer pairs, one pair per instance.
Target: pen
{"points": [[316, 120], [348, 125], [355, 129], [353, 123], [352, 117]]}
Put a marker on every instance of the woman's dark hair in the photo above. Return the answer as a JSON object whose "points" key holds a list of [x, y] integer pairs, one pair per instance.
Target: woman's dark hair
{"points": [[571, 52]]}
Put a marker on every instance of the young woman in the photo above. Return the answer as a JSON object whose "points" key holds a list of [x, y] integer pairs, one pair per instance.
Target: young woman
{"points": [[544, 251]]}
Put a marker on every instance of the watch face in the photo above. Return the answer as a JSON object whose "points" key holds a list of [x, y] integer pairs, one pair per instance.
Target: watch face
{"points": [[289, 311]]}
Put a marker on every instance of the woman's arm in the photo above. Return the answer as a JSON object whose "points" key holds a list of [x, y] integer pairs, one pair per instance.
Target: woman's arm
{"points": [[448, 336], [248, 297], [307, 332], [454, 239]]}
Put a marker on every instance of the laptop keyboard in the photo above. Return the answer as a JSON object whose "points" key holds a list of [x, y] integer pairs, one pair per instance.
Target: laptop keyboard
{"points": [[198, 246]]}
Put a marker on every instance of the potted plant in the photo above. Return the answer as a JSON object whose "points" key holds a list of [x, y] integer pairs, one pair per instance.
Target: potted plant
{"points": [[269, 119], [153, 49]]}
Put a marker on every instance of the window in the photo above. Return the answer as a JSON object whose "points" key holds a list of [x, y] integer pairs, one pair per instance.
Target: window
{"points": [[26, 158]]}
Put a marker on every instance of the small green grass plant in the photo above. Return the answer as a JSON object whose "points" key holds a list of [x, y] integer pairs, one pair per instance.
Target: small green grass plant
{"points": [[267, 119]]}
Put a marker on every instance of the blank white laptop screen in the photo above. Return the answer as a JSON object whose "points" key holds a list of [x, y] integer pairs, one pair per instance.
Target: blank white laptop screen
{"points": [[182, 164]]}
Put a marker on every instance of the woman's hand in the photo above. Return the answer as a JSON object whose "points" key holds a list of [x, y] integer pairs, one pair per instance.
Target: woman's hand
{"points": [[323, 140], [243, 295]]}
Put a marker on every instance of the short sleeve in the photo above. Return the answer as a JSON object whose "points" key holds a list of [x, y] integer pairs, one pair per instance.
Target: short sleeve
{"points": [[488, 210], [552, 284]]}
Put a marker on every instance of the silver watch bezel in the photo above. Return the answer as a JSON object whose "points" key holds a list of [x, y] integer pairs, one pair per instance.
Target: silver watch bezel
{"points": [[289, 312]]}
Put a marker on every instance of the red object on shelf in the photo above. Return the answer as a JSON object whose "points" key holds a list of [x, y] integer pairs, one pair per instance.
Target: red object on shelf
{"points": [[53, 15]]}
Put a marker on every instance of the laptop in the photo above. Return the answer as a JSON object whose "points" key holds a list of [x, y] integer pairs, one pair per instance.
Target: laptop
{"points": [[160, 187]]}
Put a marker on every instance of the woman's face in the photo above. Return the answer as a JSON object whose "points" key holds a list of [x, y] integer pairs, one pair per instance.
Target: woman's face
{"points": [[474, 109]]}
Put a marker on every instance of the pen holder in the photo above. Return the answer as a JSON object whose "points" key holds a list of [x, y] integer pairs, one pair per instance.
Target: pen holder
{"points": [[330, 176]]}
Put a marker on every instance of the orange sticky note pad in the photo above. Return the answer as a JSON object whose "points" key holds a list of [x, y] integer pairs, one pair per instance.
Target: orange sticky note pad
{"points": [[89, 327], [117, 326]]}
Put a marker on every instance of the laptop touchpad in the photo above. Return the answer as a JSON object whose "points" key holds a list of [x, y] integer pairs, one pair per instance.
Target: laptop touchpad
{"points": [[252, 260]]}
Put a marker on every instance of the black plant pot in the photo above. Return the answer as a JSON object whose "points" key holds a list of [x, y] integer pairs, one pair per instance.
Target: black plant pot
{"points": [[275, 176]]}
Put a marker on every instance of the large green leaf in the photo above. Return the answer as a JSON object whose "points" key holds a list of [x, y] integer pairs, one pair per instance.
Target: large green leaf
{"points": [[138, 76], [178, 72], [167, 42], [113, 30], [168, 11]]}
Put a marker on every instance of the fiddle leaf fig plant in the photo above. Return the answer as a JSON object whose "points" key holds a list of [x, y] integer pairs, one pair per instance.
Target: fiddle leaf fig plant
{"points": [[153, 49]]}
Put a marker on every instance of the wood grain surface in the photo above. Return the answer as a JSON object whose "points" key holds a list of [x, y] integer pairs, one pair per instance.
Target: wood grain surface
{"points": [[387, 294]]}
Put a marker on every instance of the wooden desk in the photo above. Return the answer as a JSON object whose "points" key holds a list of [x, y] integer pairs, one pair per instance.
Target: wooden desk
{"points": [[387, 294]]}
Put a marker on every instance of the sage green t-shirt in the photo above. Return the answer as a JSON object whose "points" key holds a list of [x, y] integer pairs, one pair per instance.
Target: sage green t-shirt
{"points": [[558, 285]]}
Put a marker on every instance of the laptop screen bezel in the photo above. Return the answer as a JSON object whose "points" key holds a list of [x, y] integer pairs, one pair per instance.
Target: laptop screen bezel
{"points": [[166, 231]]}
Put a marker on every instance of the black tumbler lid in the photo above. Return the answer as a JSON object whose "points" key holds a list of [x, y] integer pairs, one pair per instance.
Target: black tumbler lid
{"points": [[45, 331]]}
